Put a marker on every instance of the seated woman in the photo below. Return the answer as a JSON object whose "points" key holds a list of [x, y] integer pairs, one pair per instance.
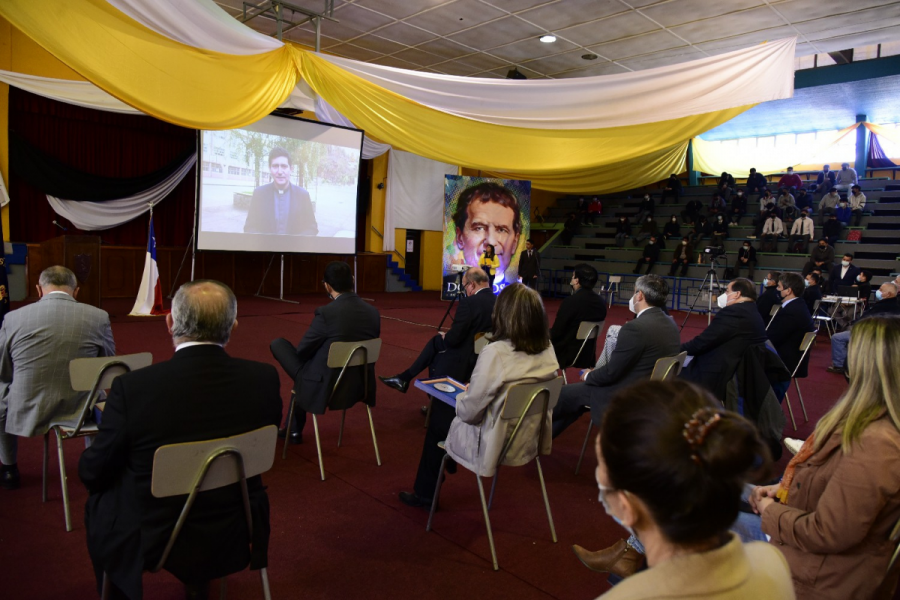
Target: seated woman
{"points": [[834, 509], [489, 263], [671, 464]]}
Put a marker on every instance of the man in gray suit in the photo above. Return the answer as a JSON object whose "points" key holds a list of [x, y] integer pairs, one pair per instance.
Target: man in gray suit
{"points": [[36, 344], [651, 335]]}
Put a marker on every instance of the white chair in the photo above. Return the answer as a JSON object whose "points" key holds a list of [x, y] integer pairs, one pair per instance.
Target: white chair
{"points": [[195, 467], [805, 345], [772, 312], [531, 399], [613, 289], [86, 375], [587, 331]]}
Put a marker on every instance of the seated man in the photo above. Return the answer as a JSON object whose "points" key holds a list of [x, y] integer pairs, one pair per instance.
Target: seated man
{"points": [[832, 229], [37, 342], [828, 205], [771, 233], [746, 259], [672, 189], [684, 254], [770, 296], [692, 211], [645, 209], [790, 180], [821, 255], [843, 213], [843, 274], [813, 291], [886, 304], [348, 318], [649, 256], [201, 393], [825, 180], [791, 323], [846, 178], [802, 233], [804, 201], [857, 204], [720, 231], [738, 206], [582, 305], [651, 335], [756, 183]]}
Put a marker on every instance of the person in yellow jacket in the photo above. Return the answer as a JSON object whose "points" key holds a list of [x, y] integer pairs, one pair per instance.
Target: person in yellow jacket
{"points": [[489, 262]]}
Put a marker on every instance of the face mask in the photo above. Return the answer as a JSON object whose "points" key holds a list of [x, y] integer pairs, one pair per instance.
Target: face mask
{"points": [[674, 220], [859, 279], [845, 263], [649, 219], [631, 305], [684, 243], [806, 282], [652, 242], [822, 246], [602, 498], [646, 197], [740, 193], [878, 295], [843, 205], [746, 247], [722, 300]]}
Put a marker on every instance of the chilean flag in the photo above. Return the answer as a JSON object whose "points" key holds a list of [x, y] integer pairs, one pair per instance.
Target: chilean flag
{"points": [[149, 298]]}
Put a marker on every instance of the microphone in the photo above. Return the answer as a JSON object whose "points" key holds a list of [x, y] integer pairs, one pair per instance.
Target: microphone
{"points": [[60, 226]]}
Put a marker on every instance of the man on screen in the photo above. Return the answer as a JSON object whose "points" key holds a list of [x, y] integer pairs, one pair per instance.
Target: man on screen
{"points": [[280, 207]]}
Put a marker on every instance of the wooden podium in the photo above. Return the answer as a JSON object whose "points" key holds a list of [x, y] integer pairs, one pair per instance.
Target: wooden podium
{"points": [[81, 254]]}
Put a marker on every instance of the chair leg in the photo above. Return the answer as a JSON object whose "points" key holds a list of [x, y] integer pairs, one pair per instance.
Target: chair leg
{"points": [[46, 464], [223, 588], [318, 447], [374, 439], [487, 522], [428, 415], [104, 590], [790, 410], [565, 379], [587, 436], [437, 492], [537, 459], [62, 477], [287, 428], [341, 430], [264, 576], [802, 406], [493, 487]]}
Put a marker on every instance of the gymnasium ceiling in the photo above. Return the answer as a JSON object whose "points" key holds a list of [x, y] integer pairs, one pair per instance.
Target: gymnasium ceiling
{"points": [[485, 38]]}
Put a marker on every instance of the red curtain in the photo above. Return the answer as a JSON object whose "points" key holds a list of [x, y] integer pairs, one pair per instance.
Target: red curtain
{"points": [[105, 144]]}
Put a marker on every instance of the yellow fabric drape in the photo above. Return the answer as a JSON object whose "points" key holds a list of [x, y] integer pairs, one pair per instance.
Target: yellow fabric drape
{"points": [[889, 134], [163, 78], [714, 158]]}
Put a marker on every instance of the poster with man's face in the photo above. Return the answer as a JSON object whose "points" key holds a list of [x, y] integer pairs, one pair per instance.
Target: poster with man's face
{"points": [[480, 212]]}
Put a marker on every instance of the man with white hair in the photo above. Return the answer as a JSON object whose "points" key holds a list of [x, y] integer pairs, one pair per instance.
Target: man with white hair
{"points": [[200, 394], [36, 344], [886, 304]]}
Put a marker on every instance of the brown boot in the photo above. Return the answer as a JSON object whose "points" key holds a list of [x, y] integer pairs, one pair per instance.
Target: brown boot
{"points": [[619, 559]]}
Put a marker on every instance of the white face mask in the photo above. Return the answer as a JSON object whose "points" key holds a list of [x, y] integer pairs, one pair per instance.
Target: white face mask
{"points": [[806, 282], [845, 263], [631, 305], [746, 247], [649, 219], [722, 300], [683, 243], [859, 278], [602, 498]]}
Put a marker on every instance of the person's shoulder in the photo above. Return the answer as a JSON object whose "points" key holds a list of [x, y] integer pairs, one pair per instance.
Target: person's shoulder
{"points": [[767, 561], [300, 190]]}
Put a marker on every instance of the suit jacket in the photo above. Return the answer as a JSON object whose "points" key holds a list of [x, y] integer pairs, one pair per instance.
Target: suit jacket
{"points": [[37, 342], [849, 279], [261, 216], [641, 342], [889, 307], [473, 315], [718, 350], [749, 254], [529, 267], [348, 318], [583, 305], [769, 298], [200, 394], [786, 333], [810, 295]]}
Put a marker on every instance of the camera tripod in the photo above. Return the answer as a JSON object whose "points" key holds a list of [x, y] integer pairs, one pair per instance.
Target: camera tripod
{"points": [[708, 281]]}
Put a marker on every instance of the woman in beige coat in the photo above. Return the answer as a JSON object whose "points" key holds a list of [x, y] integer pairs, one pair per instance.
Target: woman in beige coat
{"points": [[520, 352]]}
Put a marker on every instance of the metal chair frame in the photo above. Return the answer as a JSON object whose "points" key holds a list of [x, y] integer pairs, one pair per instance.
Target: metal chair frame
{"points": [[772, 312], [482, 339], [239, 477], [895, 538], [107, 369], [587, 330], [515, 397], [805, 345], [365, 358], [612, 289], [665, 369]]}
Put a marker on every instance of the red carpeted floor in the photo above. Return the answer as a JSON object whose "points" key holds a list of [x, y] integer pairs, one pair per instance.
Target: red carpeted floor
{"points": [[349, 536]]}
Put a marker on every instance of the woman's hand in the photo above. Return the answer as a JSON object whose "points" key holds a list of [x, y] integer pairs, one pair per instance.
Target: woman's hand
{"points": [[761, 497]]}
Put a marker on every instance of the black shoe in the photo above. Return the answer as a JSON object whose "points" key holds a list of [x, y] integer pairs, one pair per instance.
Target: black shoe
{"points": [[396, 382], [414, 500], [296, 436], [9, 477]]}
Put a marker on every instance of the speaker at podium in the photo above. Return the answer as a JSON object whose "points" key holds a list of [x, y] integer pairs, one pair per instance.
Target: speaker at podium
{"points": [[81, 254]]}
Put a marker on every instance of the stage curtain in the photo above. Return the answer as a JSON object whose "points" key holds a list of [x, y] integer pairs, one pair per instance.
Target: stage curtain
{"points": [[714, 157]]}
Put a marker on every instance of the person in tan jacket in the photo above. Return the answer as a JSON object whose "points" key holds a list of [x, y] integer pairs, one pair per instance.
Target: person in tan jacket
{"points": [[839, 499]]}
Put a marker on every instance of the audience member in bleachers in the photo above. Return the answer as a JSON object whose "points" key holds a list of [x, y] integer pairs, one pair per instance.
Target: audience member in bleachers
{"points": [[843, 274], [671, 465], [822, 255], [846, 178], [672, 189], [720, 347], [832, 229], [645, 209], [746, 259], [583, 305], [725, 184], [692, 211], [802, 233], [530, 265], [719, 231], [857, 204], [833, 511], [738, 206], [347, 318], [886, 305], [766, 197], [756, 183], [863, 283], [791, 323], [519, 352], [683, 255], [770, 296], [570, 228], [672, 229], [648, 257], [648, 229], [787, 205], [489, 262], [201, 393], [37, 342], [790, 180], [765, 212], [843, 212], [651, 335], [771, 233], [804, 201], [813, 291], [699, 230], [595, 210], [623, 231], [717, 206], [825, 180], [828, 204]]}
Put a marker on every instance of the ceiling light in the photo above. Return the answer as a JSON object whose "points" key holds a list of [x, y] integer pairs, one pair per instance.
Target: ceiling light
{"points": [[548, 39]]}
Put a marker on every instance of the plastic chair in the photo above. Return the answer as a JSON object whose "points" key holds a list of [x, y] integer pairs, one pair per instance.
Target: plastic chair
{"points": [[772, 312], [521, 401], [805, 345], [93, 375], [587, 330], [665, 369], [482, 339], [342, 355], [613, 289], [195, 467]]}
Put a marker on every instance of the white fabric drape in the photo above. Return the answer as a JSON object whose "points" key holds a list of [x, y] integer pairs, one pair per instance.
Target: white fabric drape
{"points": [[701, 86], [93, 216], [4, 195], [415, 191], [327, 114], [198, 23]]}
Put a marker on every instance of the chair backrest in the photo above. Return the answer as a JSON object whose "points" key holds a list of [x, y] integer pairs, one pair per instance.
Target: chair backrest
{"points": [[668, 367], [805, 344], [342, 355], [772, 312], [589, 330], [481, 340], [527, 399], [95, 374], [815, 307]]}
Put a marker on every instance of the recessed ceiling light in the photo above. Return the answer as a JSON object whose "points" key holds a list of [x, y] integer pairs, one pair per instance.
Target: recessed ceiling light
{"points": [[589, 56], [548, 39]]}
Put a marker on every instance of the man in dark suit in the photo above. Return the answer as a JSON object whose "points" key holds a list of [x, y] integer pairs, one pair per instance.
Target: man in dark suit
{"points": [[200, 394], [791, 323], [348, 318], [641, 342], [530, 265], [280, 207], [770, 296], [843, 274], [582, 305], [451, 355], [648, 257]]}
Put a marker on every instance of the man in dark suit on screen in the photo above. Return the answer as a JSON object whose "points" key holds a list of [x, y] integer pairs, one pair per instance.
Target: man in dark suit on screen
{"points": [[280, 207], [347, 318], [582, 305], [201, 393]]}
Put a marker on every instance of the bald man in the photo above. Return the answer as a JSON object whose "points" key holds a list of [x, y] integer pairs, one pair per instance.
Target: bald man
{"points": [[886, 305]]}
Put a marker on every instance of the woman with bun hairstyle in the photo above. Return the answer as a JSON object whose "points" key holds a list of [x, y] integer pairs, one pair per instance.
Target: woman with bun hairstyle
{"points": [[839, 498], [671, 464]]}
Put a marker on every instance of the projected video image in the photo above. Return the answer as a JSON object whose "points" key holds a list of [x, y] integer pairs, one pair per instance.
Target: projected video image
{"points": [[281, 185]]}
